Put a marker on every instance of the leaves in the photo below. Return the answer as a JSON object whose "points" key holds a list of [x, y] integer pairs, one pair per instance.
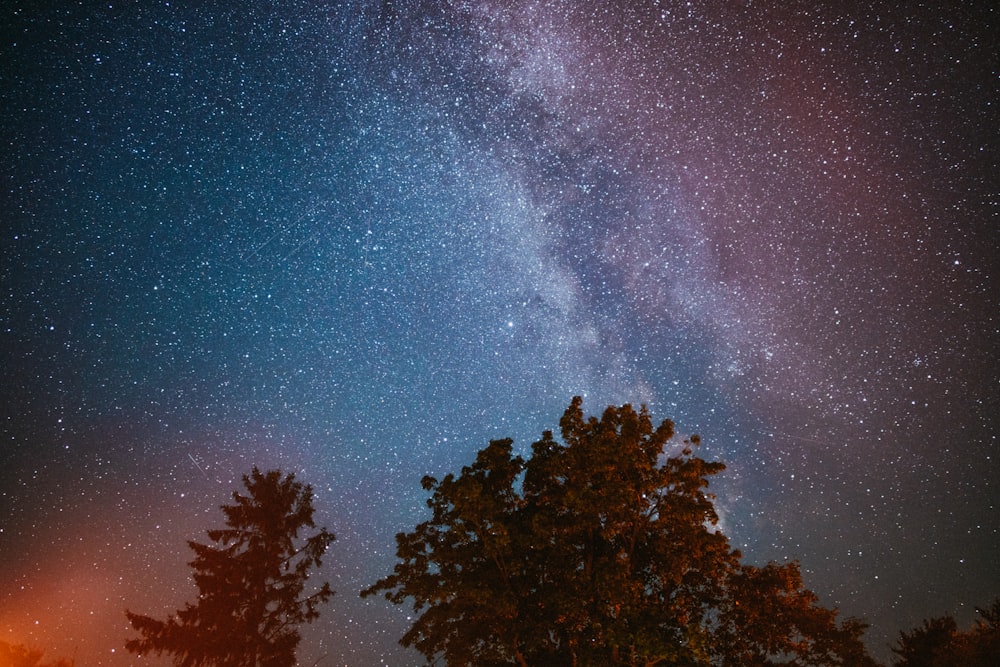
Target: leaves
{"points": [[598, 550], [939, 643]]}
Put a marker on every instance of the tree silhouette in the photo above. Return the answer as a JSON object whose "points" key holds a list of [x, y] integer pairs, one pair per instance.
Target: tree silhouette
{"points": [[600, 550], [251, 583], [939, 643], [929, 645]]}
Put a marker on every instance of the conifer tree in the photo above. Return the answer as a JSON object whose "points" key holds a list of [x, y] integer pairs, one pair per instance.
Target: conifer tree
{"points": [[251, 583]]}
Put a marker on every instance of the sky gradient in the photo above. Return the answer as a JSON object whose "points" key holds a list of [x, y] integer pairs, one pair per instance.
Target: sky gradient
{"points": [[358, 240]]}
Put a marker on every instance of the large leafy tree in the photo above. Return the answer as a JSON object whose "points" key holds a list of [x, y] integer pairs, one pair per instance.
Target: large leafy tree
{"points": [[251, 583], [601, 549]]}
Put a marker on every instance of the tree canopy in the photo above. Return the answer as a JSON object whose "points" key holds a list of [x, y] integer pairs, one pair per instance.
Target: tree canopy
{"points": [[602, 549], [939, 642], [251, 583]]}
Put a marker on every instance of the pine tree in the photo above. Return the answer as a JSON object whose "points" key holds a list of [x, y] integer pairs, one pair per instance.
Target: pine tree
{"points": [[251, 583]]}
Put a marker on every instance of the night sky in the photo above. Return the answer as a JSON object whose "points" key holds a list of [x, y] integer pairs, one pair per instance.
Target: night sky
{"points": [[358, 240]]}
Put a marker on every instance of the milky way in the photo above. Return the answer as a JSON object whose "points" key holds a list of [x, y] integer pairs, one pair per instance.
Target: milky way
{"points": [[358, 240]]}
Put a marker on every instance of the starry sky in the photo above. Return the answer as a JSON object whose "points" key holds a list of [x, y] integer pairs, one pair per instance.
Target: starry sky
{"points": [[357, 240]]}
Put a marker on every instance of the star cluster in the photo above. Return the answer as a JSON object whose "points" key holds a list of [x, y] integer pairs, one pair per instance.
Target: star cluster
{"points": [[358, 240]]}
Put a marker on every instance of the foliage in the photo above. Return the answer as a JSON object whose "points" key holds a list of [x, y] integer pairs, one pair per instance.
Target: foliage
{"points": [[600, 550], [250, 583], [18, 655], [939, 642]]}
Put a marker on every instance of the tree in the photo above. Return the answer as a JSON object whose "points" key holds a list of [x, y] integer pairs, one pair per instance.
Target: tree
{"points": [[928, 645], [600, 550], [939, 642], [251, 583]]}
